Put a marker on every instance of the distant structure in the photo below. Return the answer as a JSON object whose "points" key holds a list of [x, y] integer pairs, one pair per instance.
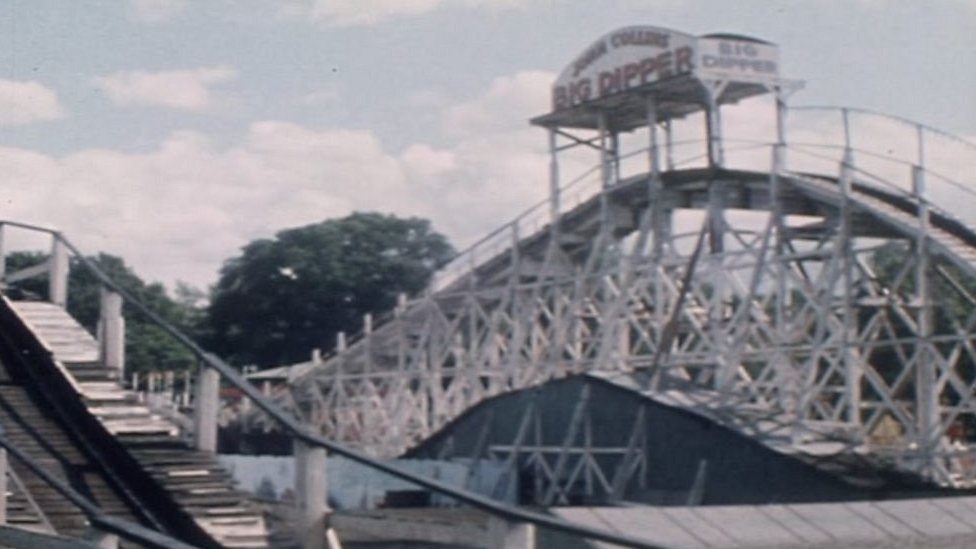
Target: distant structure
{"points": [[801, 276]]}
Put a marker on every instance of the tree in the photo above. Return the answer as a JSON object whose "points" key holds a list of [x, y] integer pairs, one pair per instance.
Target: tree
{"points": [[147, 347], [285, 296]]}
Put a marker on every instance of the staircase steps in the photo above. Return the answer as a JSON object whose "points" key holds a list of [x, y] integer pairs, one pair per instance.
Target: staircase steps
{"points": [[194, 479], [30, 429]]}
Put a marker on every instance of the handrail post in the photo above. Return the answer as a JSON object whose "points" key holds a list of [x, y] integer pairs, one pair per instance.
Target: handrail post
{"points": [[3, 486], [100, 539], [205, 408], [58, 272], [111, 332], [503, 534], [3, 255], [310, 495]]}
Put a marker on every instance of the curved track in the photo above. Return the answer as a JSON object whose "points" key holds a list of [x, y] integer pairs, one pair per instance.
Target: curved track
{"points": [[838, 305]]}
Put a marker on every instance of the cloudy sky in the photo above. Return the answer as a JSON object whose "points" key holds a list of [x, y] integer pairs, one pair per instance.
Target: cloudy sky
{"points": [[172, 132]]}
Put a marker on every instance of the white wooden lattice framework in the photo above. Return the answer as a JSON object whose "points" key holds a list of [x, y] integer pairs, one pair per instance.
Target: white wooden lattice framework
{"points": [[755, 270]]}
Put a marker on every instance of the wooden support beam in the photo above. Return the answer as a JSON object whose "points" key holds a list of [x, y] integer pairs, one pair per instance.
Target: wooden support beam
{"points": [[310, 496], [58, 273], [3, 486], [111, 332], [205, 409], [510, 535]]}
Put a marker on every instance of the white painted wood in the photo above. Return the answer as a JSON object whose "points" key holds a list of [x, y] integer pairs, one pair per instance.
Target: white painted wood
{"points": [[58, 274], [112, 332], [205, 409], [503, 534], [310, 495], [3, 486]]}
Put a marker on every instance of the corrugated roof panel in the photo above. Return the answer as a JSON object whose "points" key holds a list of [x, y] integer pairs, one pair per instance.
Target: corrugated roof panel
{"points": [[700, 528], [925, 517], [658, 525]]}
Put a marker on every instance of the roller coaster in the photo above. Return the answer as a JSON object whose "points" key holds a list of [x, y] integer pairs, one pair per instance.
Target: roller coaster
{"points": [[803, 276]]}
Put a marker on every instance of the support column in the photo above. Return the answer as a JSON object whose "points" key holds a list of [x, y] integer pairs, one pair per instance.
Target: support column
{"points": [[660, 222], [3, 256], [58, 272], [503, 534], [725, 369], [853, 372], [668, 146], [713, 123], [791, 385], [653, 154], [554, 204], [660, 219], [111, 332], [3, 486], [206, 408], [776, 209], [310, 495], [926, 388], [606, 172], [100, 539]]}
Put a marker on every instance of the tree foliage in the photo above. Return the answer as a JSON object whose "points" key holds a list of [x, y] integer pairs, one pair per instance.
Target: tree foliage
{"points": [[285, 296], [147, 347]]}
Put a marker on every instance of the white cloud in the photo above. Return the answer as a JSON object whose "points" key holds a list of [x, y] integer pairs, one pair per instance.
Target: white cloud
{"points": [[154, 11], [507, 104], [26, 102], [177, 89], [178, 211], [369, 12], [327, 98]]}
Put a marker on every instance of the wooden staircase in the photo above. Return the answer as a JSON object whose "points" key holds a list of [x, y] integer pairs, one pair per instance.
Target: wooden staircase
{"points": [[194, 479]]}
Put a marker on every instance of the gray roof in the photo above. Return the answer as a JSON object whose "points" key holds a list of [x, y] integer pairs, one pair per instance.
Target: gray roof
{"points": [[937, 522]]}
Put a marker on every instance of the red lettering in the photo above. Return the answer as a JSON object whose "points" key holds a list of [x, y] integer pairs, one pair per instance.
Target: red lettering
{"points": [[560, 99], [581, 91], [631, 71], [647, 67], [664, 69], [609, 82]]}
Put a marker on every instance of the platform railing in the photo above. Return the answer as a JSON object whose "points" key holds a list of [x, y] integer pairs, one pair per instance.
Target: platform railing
{"points": [[818, 138]]}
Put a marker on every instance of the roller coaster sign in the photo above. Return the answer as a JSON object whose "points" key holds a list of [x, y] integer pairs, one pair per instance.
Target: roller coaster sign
{"points": [[737, 59], [633, 57]]}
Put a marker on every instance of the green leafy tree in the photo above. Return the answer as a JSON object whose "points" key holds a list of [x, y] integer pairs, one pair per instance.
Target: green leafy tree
{"points": [[147, 347], [285, 296]]}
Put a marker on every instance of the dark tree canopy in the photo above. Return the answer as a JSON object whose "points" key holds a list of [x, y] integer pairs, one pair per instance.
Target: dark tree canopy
{"points": [[285, 296], [147, 347]]}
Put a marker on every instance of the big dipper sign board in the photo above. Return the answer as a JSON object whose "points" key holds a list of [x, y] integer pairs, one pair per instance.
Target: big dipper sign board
{"points": [[624, 59], [735, 58]]}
